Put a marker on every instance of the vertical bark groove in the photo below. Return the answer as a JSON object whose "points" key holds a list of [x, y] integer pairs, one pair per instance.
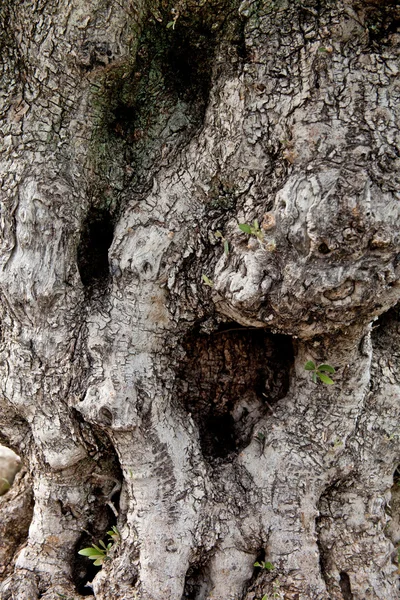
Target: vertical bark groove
{"points": [[95, 240]]}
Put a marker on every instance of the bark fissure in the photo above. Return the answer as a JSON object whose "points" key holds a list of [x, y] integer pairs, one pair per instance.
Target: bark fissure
{"points": [[95, 240], [345, 586]]}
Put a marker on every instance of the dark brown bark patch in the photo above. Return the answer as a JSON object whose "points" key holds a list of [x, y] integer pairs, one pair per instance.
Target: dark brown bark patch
{"points": [[231, 379]]}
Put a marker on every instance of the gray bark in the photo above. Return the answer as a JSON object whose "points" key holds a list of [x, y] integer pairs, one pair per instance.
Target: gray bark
{"points": [[181, 412]]}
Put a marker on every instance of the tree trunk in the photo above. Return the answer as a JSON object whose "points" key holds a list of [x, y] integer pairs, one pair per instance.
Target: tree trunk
{"points": [[152, 351]]}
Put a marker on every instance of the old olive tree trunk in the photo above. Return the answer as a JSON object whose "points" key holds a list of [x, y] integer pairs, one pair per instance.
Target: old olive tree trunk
{"points": [[152, 352]]}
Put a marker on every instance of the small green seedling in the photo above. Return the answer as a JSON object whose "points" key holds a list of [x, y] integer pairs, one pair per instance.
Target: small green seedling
{"points": [[114, 534], [337, 443], [99, 553], [320, 372], [225, 242], [259, 234], [252, 229], [392, 436], [207, 280], [175, 17], [265, 565]]}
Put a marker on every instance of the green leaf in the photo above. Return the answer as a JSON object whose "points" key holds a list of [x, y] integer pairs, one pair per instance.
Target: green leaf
{"points": [[256, 225], [309, 366], [325, 378], [89, 552], [99, 550], [102, 544], [326, 369], [257, 564], [226, 247], [244, 227], [218, 234], [114, 533], [171, 24], [99, 561], [207, 280], [269, 566], [314, 377]]}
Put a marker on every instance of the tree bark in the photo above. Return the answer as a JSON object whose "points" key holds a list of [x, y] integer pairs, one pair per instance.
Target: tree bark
{"points": [[153, 352]]}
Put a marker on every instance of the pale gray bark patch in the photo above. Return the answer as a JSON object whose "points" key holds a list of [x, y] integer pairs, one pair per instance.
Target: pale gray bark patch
{"points": [[10, 464], [126, 146]]}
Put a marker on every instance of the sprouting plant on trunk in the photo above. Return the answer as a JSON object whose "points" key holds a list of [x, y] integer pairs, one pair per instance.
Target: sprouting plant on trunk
{"points": [[252, 229], [255, 230], [320, 372], [268, 566], [100, 553], [225, 242], [207, 280]]}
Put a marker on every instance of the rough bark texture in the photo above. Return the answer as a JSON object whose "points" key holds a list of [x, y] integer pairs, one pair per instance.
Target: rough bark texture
{"points": [[142, 398]]}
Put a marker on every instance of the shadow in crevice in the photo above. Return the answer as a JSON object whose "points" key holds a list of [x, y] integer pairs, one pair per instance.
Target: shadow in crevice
{"points": [[148, 111], [95, 240], [229, 381], [104, 507], [148, 107], [197, 583], [345, 586], [393, 509]]}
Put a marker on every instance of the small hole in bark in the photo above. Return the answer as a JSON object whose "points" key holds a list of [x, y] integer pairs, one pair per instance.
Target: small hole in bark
{"points": [[147, 267], [323, 248], [96, 238], [260, 559], [188, 63], [105, 416], [196, 583], [345, 586]]}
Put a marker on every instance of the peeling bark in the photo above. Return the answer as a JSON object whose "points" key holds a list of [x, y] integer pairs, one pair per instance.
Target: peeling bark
{"points": [[141, 398]]}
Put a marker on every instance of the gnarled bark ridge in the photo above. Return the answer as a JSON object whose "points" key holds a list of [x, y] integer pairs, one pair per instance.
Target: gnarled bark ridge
{"points": [[136, 137]]}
